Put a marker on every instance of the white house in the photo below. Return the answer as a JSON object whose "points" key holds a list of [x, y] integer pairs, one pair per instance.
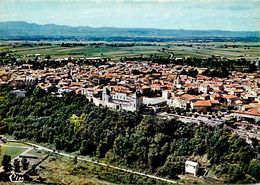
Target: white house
{"points": [[191, 167], [182, 101], [204, 88]]}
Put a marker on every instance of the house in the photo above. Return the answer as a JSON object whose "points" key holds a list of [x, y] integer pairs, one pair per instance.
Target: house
{"points": [[248, 112], [156, 87], [202, 105], [166, 94], [17, 83], [191, 167], [183, 101], [231, 99], [203, 88], [252, 115]]}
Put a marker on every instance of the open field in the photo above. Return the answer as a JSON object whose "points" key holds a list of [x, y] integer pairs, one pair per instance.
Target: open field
{"points": [[203, 50], [13, 149], [56, 170], [57, 51]]}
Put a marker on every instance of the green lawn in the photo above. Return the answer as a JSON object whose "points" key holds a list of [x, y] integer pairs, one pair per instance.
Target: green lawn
{"points": [[16, 144], [12, 149]]}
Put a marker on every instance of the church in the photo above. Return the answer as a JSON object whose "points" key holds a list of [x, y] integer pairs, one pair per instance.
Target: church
{"points": [[121, 98]]}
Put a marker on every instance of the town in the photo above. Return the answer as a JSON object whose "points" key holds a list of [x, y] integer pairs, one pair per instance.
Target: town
{"points": [[167, 90]]}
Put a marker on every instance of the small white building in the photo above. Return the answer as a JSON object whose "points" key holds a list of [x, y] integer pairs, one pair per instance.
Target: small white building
{"points": [[191, 167]]}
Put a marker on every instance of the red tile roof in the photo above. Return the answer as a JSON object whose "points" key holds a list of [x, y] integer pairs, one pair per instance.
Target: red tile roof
{"points": [[230, 96], [214, 101], [202, 103], [188, 97]]}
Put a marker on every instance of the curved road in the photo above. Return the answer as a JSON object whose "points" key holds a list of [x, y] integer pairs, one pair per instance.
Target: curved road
{"points": [[102, 164]]}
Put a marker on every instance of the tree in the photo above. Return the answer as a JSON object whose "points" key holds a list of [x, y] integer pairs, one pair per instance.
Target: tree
{"points": [[83, 147], [25, 163], [252, 68], [58, 144], [52, 88], [75, 160], [16, 165], [6, 163], [38, 92], [192, 72], [254, 169]]}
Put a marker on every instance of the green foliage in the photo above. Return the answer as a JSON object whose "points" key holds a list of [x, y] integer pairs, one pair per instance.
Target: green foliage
{"points": [[82, 172], [254, 169], [76, 121], [252, 68], [144, 143], [191, 72], [6, 163], [16, 165], [217, 72], [25, 163]]}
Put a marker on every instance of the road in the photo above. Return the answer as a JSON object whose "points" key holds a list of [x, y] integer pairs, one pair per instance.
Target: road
{"points": [[101, 164]]}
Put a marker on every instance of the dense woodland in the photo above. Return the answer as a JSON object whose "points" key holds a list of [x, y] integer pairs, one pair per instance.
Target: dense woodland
{"points": [[144, 143]]}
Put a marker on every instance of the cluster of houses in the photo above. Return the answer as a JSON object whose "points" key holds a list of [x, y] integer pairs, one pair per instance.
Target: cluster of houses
{"points": [[130, 85]]}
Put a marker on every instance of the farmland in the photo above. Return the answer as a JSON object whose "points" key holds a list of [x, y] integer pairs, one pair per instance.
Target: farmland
{"points": [[179, 49]]}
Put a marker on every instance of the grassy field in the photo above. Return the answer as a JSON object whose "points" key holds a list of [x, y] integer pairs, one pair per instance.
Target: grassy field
{"points": [[62, 170], [13, 149], [246, 50]]}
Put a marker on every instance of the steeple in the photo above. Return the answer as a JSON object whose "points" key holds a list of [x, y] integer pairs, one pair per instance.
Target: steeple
{"points": [[177, 81]]}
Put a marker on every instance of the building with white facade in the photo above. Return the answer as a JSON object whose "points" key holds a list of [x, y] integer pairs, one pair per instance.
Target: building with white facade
{"points": [[130, 101], [118, 98], [191, 167]]}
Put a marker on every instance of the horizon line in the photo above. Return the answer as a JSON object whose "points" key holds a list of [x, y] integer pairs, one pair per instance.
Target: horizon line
{"points": [[41, 24]]}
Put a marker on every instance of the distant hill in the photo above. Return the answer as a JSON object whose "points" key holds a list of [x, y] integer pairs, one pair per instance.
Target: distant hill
{"points": [[19, 30]]}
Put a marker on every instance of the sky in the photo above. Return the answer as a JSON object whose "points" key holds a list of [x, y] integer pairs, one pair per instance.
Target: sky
{"points": [[236, 15]]}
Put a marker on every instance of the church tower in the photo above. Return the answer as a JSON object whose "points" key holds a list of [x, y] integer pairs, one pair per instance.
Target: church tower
{"points": [[177, 81], [105, 95]]}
